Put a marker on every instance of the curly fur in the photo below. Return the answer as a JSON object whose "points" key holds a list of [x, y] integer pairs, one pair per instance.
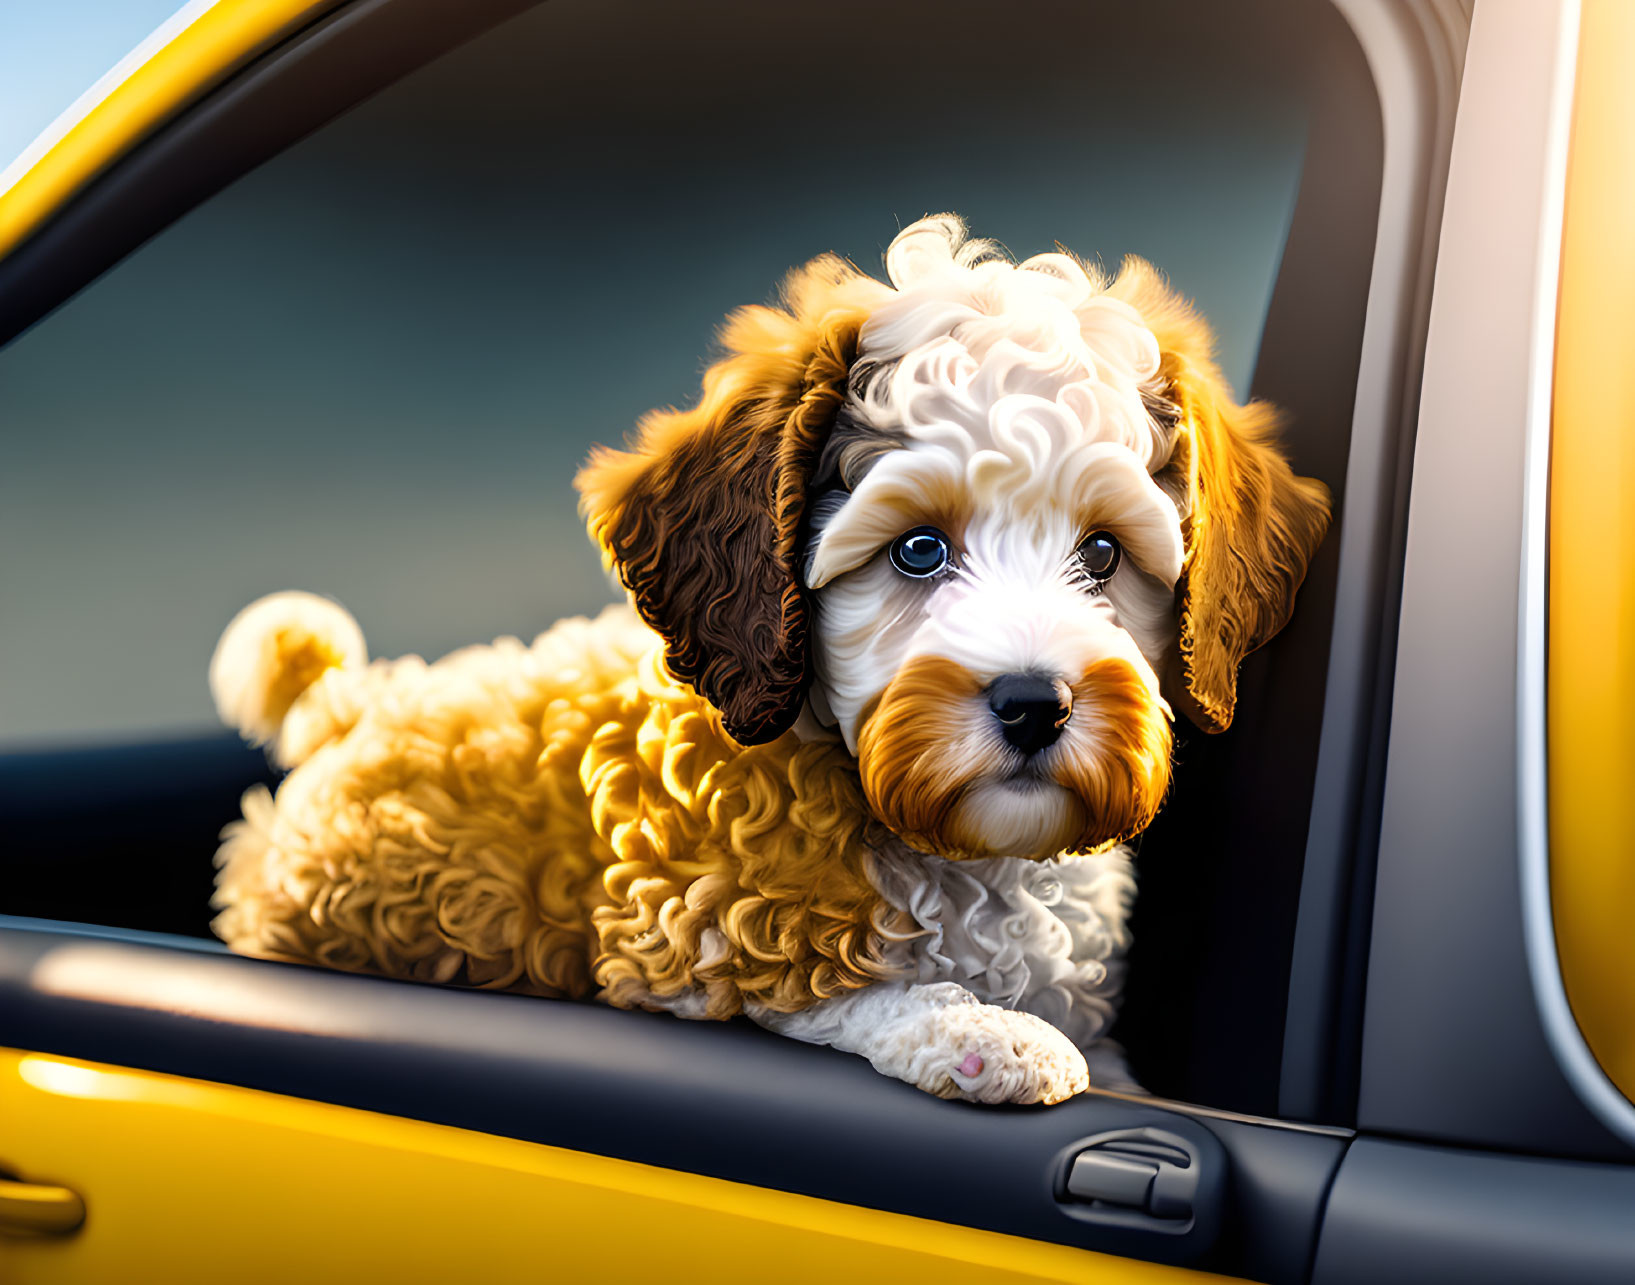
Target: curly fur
{"points": [[701, 517], [274, 650], [786, 794], [919, 753], [1045, 936], [565, 819], [1252, 526], [906, 1031]]}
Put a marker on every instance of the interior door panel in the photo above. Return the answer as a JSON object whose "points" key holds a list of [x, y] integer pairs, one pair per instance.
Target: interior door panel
{"points": [[1419, 1215]]}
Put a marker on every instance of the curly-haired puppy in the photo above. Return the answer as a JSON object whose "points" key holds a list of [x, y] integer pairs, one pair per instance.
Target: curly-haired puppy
{"points": [[916, 586]]}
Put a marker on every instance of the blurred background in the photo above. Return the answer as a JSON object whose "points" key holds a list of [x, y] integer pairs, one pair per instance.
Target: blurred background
{"points": [[370, 367]]}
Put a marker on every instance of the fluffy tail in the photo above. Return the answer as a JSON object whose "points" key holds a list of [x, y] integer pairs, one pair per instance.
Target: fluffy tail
{"points": [[274, 650]]}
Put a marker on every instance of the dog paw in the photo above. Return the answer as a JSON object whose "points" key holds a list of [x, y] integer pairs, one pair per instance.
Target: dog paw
{"points": [[982, 1053]]}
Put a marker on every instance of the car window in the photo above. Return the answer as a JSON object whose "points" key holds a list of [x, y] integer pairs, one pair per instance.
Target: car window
{"points": [[370, 367]]}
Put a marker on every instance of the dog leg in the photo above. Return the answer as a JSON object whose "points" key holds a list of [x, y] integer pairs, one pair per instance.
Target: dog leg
{"points": [[941, 1038]]}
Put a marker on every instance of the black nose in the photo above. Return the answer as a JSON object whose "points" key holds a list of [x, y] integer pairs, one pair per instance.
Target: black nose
{"points": [[1031, 710]]}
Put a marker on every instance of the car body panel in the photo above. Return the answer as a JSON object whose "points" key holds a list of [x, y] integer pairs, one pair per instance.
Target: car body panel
{"points": [[1416, 55], [205, 1182], [1452, 1042], [1455, 1050], [1591, 591]]}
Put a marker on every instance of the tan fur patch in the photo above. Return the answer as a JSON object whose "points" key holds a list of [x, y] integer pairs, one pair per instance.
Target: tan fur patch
{"points": [[918, 760], [301, 660], [560, 819], [1252, 526], [1124, 775], [909, 751]]}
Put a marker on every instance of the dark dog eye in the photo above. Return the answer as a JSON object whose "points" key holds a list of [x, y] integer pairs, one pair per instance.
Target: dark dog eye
{"points": [[921, 552], [1100, 554]]}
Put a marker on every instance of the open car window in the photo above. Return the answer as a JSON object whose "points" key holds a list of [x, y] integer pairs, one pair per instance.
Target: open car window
{"points": [[370, 367]]}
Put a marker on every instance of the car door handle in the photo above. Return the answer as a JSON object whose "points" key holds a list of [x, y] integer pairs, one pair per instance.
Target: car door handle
{"points": [[1137, 1177], [38, 1208]]}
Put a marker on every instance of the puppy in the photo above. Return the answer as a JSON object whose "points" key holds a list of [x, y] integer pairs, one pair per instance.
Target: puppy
{"points": [[914, 590]]}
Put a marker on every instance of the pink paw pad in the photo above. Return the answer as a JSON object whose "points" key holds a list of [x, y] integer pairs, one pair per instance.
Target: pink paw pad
{"points": [[972, 1065]]}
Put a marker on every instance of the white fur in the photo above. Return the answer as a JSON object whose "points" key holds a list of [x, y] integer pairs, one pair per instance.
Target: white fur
{"points": [[1033, 355], [1018, 388], [248, 676], [1015, 395], [1006, 940], [1048, 937], [929, 1034], [1013, 943]]}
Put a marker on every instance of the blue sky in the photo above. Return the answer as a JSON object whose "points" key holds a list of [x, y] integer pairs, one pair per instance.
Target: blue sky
{"points": [[51, 51]]}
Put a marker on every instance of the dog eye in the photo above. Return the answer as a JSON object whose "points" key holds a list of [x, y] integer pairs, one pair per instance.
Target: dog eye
{"points": [[1100, 554], [921, 552]]}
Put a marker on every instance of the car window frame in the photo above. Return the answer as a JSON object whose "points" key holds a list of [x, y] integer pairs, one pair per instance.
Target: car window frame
{"points": [[1452, 1035], [353, 49]]}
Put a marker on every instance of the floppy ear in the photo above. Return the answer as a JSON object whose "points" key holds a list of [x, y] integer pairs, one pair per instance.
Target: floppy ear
{"points": [[701, 517], [1251, 525]]}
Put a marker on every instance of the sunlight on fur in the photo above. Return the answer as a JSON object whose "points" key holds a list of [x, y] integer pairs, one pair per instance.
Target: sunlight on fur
{"points": [[564, 819], [915, 591]]}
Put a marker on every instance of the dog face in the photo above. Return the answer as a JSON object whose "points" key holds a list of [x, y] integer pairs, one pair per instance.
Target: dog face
{"points": [[989, 521], [992, 566]]}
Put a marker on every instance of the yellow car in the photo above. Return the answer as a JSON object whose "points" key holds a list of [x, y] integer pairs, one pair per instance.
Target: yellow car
{"points": [[336, 293]]}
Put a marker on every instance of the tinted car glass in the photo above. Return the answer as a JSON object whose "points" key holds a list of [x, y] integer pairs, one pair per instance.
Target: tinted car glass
{"points": [[370, 368]]}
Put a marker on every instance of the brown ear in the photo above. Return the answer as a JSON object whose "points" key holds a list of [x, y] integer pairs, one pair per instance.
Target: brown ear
{"points": [[701, 516], [1251, 525]]}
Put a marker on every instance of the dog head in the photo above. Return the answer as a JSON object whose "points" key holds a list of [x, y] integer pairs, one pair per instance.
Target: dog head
{"points": [[991, 522]]}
